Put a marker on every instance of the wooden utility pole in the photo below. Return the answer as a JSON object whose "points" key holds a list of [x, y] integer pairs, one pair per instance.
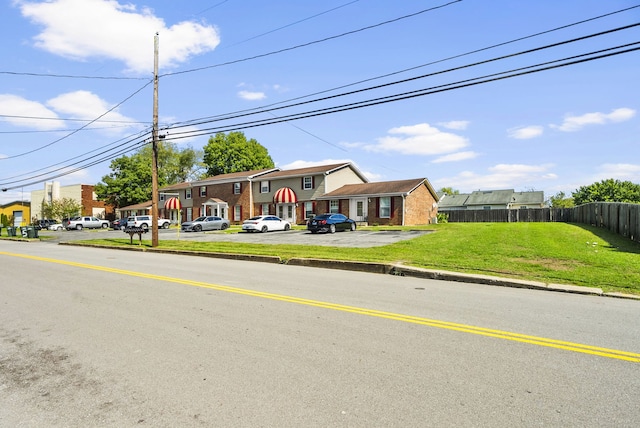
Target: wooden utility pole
{"points": [[154, 136]]}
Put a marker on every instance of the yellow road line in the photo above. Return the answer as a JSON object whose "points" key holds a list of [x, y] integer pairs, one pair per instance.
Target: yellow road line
{"points": [[499, 334]]}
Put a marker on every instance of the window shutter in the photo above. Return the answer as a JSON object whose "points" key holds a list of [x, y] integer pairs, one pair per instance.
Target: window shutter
{"points": [[391, 213], [302, 183], [240, 187], [313, 182], [377, 207]]}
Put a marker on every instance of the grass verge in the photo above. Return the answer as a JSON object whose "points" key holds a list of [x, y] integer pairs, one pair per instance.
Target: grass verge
{"points": [[548, 252]]}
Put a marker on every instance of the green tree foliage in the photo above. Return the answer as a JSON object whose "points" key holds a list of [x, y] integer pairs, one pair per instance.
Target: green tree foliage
{"points": [[609, 190], [61, 208], [227, 153], [130, 180], [449, 191], [560, 200]]}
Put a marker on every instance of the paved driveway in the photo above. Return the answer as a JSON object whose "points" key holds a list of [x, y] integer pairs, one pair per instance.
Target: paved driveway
{"points": [[359, 238]]}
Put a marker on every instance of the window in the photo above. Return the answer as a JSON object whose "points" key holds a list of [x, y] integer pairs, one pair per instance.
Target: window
{"points": [[203, 191], [307, 183], [385, 207], [187, 194], [189, 212], [237, 212], [264, 187], [237, 188], [265, 209], [162, 197], [334, 207], [308, 210]]}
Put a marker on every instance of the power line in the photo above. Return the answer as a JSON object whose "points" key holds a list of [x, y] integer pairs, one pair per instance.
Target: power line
{"points": [[416, 93], [415, 67], [313, 42], [528, 51], [79, 129]]}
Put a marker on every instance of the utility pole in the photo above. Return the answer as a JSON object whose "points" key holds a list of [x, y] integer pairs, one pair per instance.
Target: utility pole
{"points": [[154, 136]]}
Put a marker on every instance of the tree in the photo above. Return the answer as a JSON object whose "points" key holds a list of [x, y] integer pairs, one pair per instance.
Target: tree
{"points": [[560, 200], [232, 152], [609, 190], [130, 180], [449, 191], [61, 208]]}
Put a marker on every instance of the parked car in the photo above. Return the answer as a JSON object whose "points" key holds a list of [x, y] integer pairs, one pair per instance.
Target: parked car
{"points": [[205, 223], [56, 226], [145, 222], [330, 223], [119, 224], [43, 224], [87, 222], [265, 223]]}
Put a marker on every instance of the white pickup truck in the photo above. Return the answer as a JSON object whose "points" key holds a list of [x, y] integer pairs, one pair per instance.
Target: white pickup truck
{"points": [[87, 222], [145, 221]]}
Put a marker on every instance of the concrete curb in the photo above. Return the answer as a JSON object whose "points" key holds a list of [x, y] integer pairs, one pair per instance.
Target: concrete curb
{"points": [[384, 268]]}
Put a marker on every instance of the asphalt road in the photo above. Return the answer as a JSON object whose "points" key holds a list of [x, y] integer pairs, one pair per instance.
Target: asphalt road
{"points": [[95, 337]]}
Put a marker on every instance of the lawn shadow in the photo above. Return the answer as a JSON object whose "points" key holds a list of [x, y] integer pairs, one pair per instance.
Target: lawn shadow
{"points": [[615, 242]]}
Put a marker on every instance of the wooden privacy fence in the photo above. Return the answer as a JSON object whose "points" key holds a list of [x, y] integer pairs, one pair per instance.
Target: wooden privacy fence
{"points": [[623, 219]]}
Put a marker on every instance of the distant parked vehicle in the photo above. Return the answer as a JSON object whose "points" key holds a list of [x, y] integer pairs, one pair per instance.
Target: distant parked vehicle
{"points": [[86, 222], [205, 223], [146, 221], [119, 224], [43, 224], [330, 223], [56, 226], [265, 223]]}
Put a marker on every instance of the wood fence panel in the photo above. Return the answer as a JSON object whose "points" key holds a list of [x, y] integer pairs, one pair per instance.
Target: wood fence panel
{"points": [[619, 218]]}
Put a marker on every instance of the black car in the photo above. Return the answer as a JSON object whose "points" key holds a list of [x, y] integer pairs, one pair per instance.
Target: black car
{"points": [[43, 224], [330, 223], [119, 224]]}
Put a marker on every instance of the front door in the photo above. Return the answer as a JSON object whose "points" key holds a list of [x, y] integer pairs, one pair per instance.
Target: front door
{"points": [[287, 212], [358, 210]]}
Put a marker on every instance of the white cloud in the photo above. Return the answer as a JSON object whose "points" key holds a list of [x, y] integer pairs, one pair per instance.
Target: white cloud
{"points": [[501, 176], [422, 139], [88, 106], [525, 132], [110, 30], [12, 105], [456, 157], [458, 125], [252, 96], [576, 123], [619, 171]]}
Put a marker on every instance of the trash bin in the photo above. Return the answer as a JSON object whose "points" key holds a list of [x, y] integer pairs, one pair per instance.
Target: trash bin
{"points": [[28, 232], [11, 231], [32, 232]]}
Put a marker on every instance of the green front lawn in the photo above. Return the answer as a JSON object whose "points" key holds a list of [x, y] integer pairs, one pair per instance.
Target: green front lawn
{"points": [[547, 252]]}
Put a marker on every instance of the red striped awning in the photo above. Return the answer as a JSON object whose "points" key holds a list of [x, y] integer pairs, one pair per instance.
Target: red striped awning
{"points": [[172, 204], [285, 196]]}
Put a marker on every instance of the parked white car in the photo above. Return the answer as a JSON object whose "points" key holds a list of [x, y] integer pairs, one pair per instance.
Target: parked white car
{"points": [[56, 226], [265, 223], [145, 222], [87, 222]]}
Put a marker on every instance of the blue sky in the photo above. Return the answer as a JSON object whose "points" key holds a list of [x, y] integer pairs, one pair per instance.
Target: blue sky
{"points": [[75, 87]]}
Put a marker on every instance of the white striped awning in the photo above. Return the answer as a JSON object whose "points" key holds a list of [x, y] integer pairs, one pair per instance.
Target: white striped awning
{"points": [[285, 196], [172, 204]]}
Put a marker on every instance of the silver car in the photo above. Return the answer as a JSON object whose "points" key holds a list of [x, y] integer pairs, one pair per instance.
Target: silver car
{"points": [[205, 223]]}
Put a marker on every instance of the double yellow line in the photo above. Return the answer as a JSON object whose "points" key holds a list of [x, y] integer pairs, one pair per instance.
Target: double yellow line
{"points": [[464, 328]]}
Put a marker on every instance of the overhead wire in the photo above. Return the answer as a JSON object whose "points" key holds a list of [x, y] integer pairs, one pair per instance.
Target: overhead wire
{"points": [[369, 27], [417, 93], [418, 66], [79, 129], [423, 76]]}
